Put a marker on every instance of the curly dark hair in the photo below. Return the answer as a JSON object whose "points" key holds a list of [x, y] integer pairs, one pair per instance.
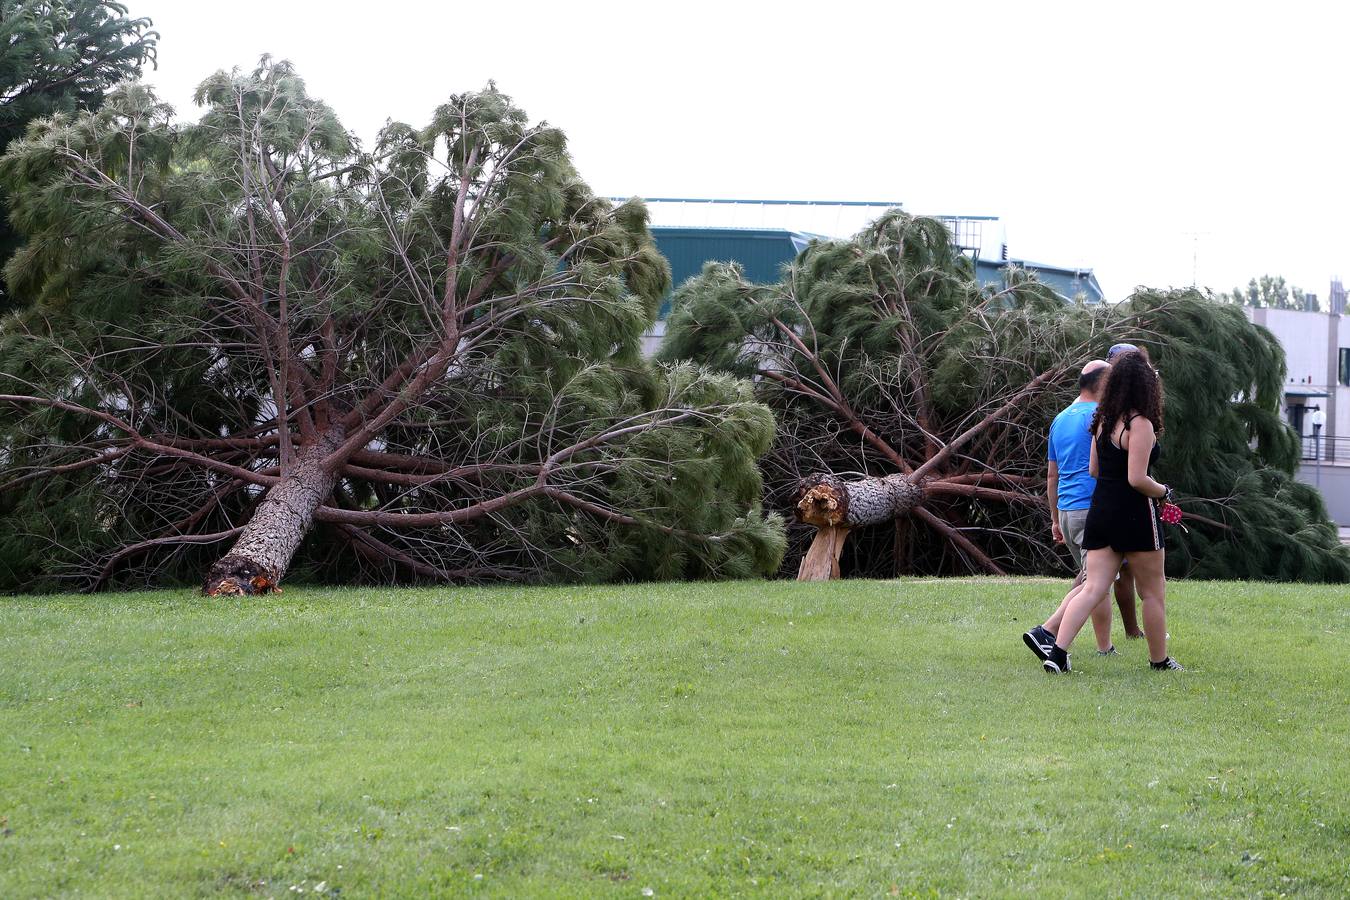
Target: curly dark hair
{"points": [[1132, 386]]}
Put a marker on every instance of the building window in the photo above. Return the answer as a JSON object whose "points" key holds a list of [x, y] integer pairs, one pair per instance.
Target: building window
{"points": [[1345, 366]]}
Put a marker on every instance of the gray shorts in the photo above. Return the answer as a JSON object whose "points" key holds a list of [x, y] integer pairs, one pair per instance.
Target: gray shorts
{"points": [[1072, 522]]}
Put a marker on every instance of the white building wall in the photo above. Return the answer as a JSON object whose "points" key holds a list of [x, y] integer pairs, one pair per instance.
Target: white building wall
{"points": [[1312, 344], [1304, 338], [651, 341], [1342, 431]]}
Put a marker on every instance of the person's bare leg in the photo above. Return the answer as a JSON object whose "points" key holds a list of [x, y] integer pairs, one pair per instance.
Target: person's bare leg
{"points": [[1052, 624], [1101, 626], [1101, 614], [1152, 586], [1102, 566], [1125, 601]]}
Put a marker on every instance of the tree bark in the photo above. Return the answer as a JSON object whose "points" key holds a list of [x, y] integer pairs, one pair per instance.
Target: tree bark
{"points": [[836, 506], [903, 548], [828, 500], [259, 559]]}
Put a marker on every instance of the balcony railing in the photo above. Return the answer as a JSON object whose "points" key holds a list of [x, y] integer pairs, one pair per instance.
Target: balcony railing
{"points": [[1327, 450]]}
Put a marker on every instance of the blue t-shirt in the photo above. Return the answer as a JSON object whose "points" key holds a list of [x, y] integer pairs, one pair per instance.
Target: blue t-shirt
{"points": [[1071, 449]]}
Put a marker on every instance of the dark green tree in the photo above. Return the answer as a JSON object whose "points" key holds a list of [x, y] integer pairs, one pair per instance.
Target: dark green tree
{"points": [[913, 407], [1271, 292], [423, 360], [61, 56]]}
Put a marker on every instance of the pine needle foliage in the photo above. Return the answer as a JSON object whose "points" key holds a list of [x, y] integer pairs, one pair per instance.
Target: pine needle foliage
{"points": [[1226, 448], [61, 56]]}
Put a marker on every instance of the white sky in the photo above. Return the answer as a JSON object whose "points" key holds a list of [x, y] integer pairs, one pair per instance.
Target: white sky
{"points": [[1140, 140]]}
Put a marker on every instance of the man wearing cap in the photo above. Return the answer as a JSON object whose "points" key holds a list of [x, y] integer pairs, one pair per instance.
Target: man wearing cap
{"points": [[1069, 489], [1117, 349]]}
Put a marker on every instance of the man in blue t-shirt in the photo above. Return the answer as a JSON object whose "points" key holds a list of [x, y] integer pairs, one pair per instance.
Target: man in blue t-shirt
{"points": [[1069, 489]]}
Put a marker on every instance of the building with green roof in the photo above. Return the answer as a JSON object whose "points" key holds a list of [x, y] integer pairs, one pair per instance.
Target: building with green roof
{"points": [[762, 250]]}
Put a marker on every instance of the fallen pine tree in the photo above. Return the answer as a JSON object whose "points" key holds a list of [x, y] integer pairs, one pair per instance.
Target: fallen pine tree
{"points": [[913, 406], [252, 347]]}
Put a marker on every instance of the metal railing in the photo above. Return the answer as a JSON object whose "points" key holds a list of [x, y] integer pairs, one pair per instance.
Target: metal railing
{"points": [[1324, 449]]}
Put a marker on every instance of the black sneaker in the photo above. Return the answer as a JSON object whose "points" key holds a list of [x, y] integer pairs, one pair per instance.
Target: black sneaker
{"points": [[1039, 641], [1168, 663], [1109, 651], [1057, 662]]}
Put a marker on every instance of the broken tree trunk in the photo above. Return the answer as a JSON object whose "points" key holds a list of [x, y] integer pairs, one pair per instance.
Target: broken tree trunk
{"points": [[258, 560], [902, 546], [836, 506], [821, 562]]}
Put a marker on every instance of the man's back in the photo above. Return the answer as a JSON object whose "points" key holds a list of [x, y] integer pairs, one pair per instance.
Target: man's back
{"points": [[1070, 450]]}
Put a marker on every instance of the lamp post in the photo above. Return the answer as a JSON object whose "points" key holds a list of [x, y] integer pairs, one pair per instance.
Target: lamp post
{"points": [[1319, 419]]}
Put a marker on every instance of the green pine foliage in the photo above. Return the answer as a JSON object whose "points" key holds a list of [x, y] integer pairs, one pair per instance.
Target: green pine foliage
{"points": [[1226, 448], [564, 284], [61, 56]]}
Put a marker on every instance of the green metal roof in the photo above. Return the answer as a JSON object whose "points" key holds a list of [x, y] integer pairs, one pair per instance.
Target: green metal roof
{"points": [[761, 252]]}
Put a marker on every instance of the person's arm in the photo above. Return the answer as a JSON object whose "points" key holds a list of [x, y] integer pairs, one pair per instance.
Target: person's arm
{"points": [[1092, 457], [1139, 442], [1052, 495]]}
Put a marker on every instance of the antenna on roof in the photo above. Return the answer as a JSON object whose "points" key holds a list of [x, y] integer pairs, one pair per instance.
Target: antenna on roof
{"points": [[1195, 252]]}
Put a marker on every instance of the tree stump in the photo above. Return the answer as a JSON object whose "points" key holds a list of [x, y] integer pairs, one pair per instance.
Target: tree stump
{"points": [[821, 562]]}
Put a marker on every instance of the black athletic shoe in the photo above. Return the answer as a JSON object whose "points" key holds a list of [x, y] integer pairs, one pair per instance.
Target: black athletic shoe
{"points": [[1039, 641], [1057, 662], [1168, 663], [1109, 651]]}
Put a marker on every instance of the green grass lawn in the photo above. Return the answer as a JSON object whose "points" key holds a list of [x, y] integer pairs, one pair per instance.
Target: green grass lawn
{"points": [[854, 738]]}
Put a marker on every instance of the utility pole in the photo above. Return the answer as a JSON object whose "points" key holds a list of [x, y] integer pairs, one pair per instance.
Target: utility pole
{"points": [[1319, 419]]}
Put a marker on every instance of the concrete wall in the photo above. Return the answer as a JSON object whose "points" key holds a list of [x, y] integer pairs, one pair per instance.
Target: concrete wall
{"points": [[1334, 483]]}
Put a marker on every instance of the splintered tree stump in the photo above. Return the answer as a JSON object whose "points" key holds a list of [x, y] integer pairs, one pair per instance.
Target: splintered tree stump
{"points": [[836, 507], [821, 562]]}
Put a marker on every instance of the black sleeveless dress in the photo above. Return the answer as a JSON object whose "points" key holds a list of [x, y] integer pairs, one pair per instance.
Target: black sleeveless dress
{"points": [[1120, 517]]}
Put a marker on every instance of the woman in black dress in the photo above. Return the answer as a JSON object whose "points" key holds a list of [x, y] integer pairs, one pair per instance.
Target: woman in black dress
{"points": [[1123, 522]]}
